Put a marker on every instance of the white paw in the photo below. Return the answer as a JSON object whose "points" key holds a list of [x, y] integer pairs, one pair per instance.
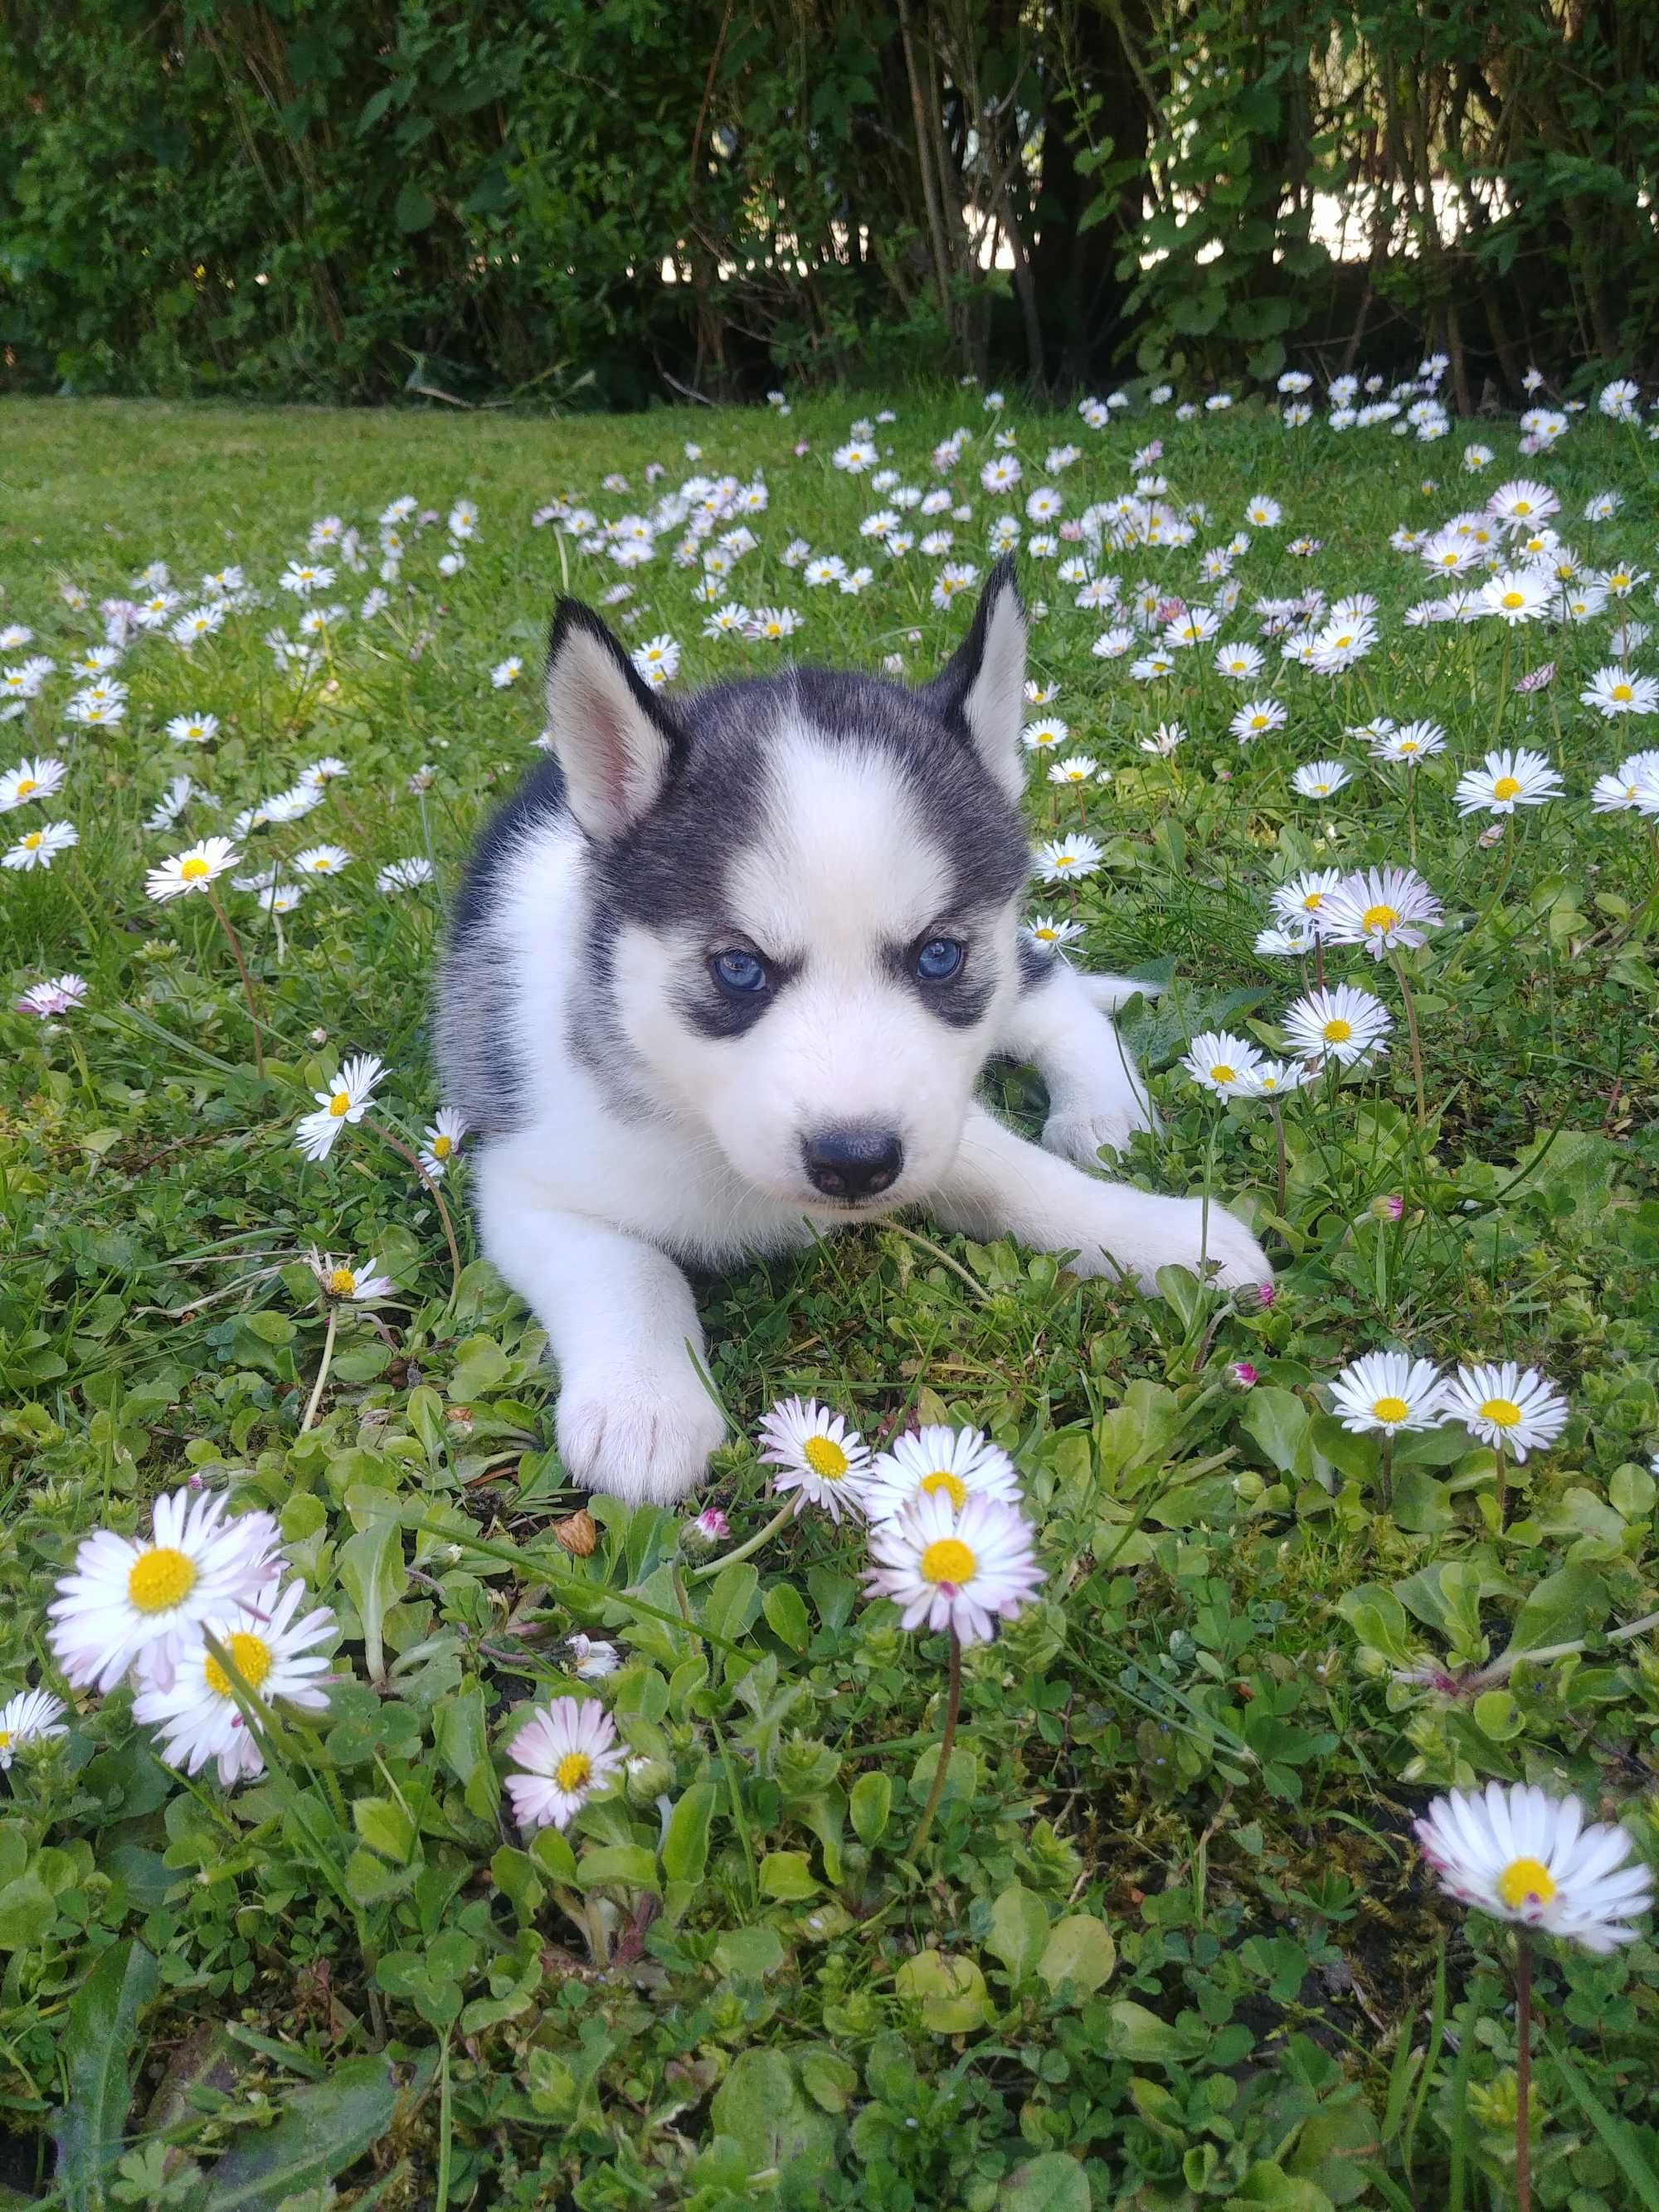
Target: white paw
{"points": [[1079, 1136], [1131, 1232], [641, 1437], [1233, 1256]]}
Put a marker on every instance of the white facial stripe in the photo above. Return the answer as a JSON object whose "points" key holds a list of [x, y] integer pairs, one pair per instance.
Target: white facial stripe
{"points": [[846, 867]]}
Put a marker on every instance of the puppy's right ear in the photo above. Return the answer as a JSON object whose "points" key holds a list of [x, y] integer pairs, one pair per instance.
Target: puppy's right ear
{"points": [[615, 741]]}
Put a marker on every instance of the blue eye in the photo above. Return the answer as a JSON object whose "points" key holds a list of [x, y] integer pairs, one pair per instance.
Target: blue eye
{"points": [[940, 959], [736, 970]]}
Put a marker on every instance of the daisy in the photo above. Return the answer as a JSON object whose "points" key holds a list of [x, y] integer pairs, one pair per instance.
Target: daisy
{"points": [[1046, 735], [1292, 940], [341, 1279], [1380, 908], [1505, 780], [1611, 690], [1523, 503], [346, 1099], [954, 1464], [1389, 1391], [125, 1603], [1076, 768], [1221, 1062], [281, 898], [1063, 859], [1255, 718], [32, 1717], [60, 995], [1273, 1079], [1238, 663], [1319, 779], [192, 871], [1411, 742], [1050, 935], [774, 623], [568, 1753], [403, 876], [38, 848], [1517, 595], [819, 1457], [1263, 513], [30, 779], [444, 1134], [322, 859], [1344, 1024], [960, 1571], [1529, 1859], [1515, 1409], [197, 1715], [1302, 901]]}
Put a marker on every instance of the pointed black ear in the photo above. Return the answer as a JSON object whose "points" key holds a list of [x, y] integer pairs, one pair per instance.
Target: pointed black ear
{"points": [[614, 739], [983, 684]]}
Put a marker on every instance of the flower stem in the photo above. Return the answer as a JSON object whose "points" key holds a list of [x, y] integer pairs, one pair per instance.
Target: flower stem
{"points": [[404, 1153], [1523, 2071], [1503, 1487], [947, 1744], [235, 944], [1410, 1004], [750, 1543], [1385, 1479], [322, 1372], [1283, 1185]]}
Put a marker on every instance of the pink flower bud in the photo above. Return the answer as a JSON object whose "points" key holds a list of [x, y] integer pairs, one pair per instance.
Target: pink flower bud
{"points": [[1388, 1209], [710, 1527], [1242, 1375]]}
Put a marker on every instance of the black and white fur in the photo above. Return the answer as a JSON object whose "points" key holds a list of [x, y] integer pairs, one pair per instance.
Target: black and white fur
{"points": [[638, 1114]]}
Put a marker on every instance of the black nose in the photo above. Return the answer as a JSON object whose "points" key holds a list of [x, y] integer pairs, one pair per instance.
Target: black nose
{"points": [[853, 1162]]}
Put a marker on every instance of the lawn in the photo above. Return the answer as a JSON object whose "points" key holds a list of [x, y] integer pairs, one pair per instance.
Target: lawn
{"points": [[1170, 1941]]}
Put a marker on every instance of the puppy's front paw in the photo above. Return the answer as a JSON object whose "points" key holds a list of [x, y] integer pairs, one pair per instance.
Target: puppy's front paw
{"points": [[641, 1437], [1234, 1257], [1080, 1136]]}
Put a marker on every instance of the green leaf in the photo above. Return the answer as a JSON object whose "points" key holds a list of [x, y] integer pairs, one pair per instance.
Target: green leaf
{"points": [[950, 1991], [1137, 2034], [870, 1804], [1377, 1619], [1267, 2188], [322, 2129], [787, 1876], [1052, 2182], [1569, 1603], [762, 2105], [1080, 1951], [373, 1573], [750, 1954], [415, 207], [1018, 1931], [685, 1847], [629, 1864], [26, 1909], [1496, 1716], [385, 1828], [99, 2049], [1621, 2139], [1279, 1423], [786, 1615], [732, 1601]]}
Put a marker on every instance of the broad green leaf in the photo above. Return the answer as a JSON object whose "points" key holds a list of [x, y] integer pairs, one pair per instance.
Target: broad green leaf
{"points": [[732, 1601], [685, 1847], [786, 1615], [1080, 1951], [950, 1991], [373, 1573], [762, 2105], [787, 1876], [1567, 1604], [870, 1804], [1280, 1424], [1018, 1930], [1134, 2034], [749, 1953], [323, 2128], [1052, 2182], [629, 1864], [1377, 1618], [98, 2051]]}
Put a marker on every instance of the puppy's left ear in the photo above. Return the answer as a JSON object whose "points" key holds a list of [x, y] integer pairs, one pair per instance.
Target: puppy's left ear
{"points": [[983, 685]]}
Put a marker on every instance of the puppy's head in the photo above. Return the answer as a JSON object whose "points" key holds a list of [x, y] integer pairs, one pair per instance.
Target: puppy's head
{"points": [[807, 893]]}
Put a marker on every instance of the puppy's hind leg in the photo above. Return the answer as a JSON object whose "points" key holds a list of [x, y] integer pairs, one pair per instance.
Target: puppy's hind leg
{"points": [[634, 1417], [1000, 1186], [1061, 1024]]}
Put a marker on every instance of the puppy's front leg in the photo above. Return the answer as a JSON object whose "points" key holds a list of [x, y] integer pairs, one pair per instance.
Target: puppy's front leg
{"points": [[1062, 1024], [634, 1419], [1000, 1185]]}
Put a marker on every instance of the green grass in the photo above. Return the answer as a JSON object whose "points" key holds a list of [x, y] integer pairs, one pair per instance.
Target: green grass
{"points": [[355, 1966]]}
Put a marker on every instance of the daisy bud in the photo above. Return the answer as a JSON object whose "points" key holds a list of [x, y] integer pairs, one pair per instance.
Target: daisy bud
{"points": [[1388, 1209], [1242, 1375], [1254, 1298], [648, 1780], [710, 1527]]}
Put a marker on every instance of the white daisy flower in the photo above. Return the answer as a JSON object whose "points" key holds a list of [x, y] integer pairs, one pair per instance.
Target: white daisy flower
{"points": [[937, 1461], [1076, 768], [595, 1660], [322, 859], [59, 994], [1389, 1391], [1344, 1024], [38, 848], [1611, 690], [1514, 1409], [196, 1716], [1529, 1858], [126, 1603], [32, 1717], [1505, 780], [1064, 859], [567, 1753], [1255, 718], [1411, 742], [403, 876], [1380, 908], [344, 1279], [1517, 595], [181, 873], [1303, 900], [444, 1133], [1045, 735], [1049, 934], [30, 780], [1319, 779], [1218, 1061], [961, 1571], [817, 1456], [1273, 1079], [346, 1100]]}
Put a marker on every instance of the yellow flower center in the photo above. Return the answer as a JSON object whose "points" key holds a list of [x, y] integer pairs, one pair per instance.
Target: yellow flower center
{"points": [[5, 1739], [1515, 599], [341, 1282], [573, 1772], [1619, 581], [192, 870], [1502, 1413], [1311, 900], [1258, 721], [1222, 1073], [1505, 787], [1337, 1031], [1379, 917], [1390, 1409], [32, 842], [1525, 1881], [322, 866], [1065, 859], [28, 783], [340, 1103], [825, 1457], [1620, 691], [442, 1147], [1047, 935], [160, 1578], [948, 1561], [1409, 745], [250, 1656], [1523, 507], [952, 1485]]}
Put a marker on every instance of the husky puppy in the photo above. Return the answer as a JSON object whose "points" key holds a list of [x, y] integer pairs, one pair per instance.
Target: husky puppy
{"points": [[723, 977]]}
